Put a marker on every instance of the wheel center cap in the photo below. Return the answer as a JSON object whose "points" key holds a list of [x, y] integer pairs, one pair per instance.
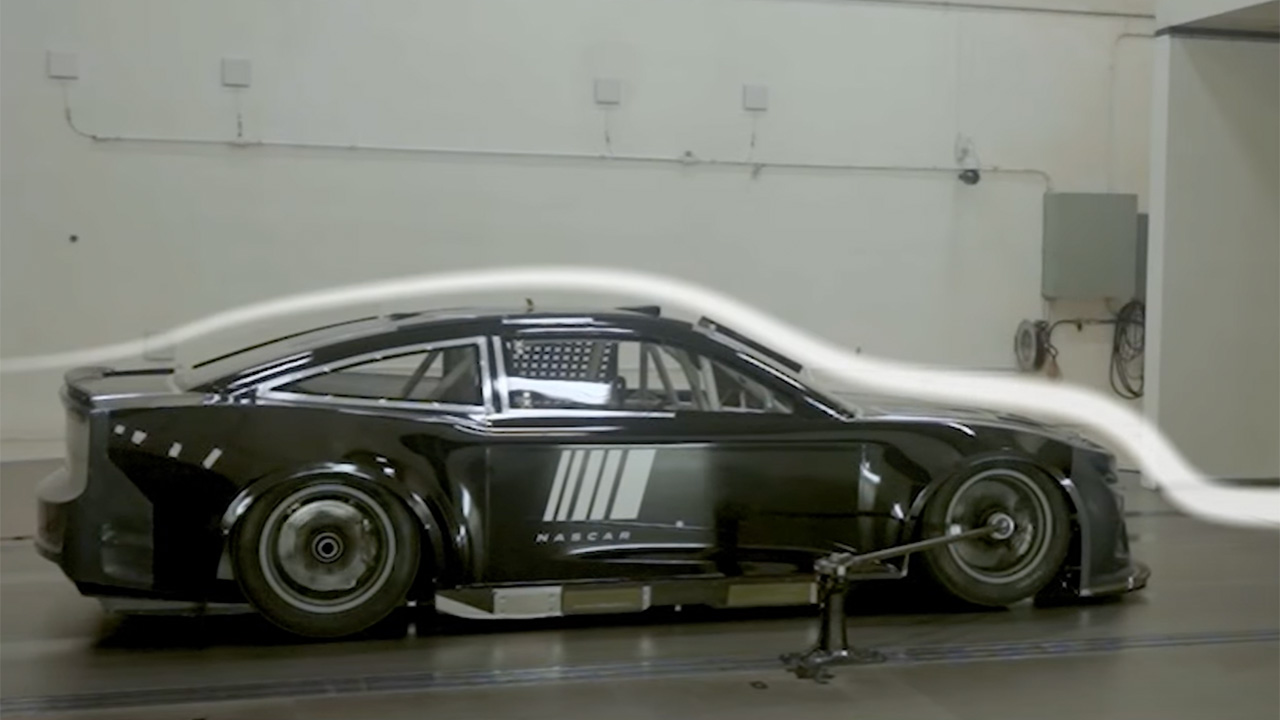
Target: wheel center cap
{"points": [[327, 547], [1003, 524]]}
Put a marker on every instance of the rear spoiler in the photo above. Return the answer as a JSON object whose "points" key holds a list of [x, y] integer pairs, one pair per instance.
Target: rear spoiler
{"points": [[650, 310], [710, 325], [74, 379]]}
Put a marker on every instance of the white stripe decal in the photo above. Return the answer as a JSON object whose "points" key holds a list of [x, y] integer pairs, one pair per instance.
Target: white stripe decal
{"points": [[175, 449], [635, 476], [552, 498], [138, 437], [570, 484], [607, 478], [212, 458], [590, 477]]}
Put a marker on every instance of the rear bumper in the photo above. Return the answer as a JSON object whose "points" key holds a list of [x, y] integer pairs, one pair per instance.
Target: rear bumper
{"points": [[93, 536], [55, 496]]}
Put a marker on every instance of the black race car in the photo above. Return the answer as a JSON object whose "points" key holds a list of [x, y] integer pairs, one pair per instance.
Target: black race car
{"points": [[532, 464]]}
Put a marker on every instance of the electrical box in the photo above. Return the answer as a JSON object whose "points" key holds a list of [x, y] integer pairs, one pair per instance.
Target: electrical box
{"points": [[1090, 246]]}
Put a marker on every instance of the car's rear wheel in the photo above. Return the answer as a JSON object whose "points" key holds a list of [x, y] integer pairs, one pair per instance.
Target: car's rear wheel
{"points": [[326, 557], [1013, 564]]}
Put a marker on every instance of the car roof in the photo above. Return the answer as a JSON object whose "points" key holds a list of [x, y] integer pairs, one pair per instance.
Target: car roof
{"points": [[480, 320], [528, 314], [376, 325]]}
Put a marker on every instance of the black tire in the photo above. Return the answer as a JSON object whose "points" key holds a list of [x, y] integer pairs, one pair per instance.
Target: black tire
{"points": [[998, 571], [326, 557]]}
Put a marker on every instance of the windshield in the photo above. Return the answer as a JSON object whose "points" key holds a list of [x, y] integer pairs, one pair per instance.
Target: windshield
{"points": [[783, 367]]}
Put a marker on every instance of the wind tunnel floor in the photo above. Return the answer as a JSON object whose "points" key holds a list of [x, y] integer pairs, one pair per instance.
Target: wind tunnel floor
{"points": [[1202, 641]]}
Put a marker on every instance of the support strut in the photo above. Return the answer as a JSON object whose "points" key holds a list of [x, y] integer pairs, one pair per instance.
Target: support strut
{"points": [[836, 574]]}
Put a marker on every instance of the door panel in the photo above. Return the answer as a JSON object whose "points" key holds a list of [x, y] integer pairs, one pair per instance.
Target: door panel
{"points": [[757, 503], [627, 458], [580, 509]]}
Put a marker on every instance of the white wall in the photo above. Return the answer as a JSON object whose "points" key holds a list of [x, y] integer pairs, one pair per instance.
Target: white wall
{"points": [[1214, 324], [905, 265], [1179, 12]]}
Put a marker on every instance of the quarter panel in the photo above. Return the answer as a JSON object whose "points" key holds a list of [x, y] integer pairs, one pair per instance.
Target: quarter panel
{"points": [[189, 463]]}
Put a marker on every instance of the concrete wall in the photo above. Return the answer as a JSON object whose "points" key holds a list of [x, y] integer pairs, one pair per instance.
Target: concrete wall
{"points": [[1214, 320], [1179, 12], [904, 264]]}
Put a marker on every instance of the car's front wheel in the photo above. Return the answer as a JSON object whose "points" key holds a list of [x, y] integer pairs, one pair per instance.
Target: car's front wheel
{"points": [[326, 557], [1016, 562]]}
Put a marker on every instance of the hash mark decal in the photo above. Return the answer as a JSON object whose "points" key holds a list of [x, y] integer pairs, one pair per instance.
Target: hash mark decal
{"points": [[570, 484], [211, 458], [553, 499], [631, 487], [590, 477], [608, 477], [586, 481]]}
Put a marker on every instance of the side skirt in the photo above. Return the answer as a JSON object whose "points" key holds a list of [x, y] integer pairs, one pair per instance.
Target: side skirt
{"points": [[123, 605], [591, 598], [525, 602]]}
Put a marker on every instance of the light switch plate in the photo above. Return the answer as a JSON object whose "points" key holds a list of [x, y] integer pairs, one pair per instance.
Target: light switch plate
{"points": [[236, 72], [755, 97], [608, 91], [62, 65]]}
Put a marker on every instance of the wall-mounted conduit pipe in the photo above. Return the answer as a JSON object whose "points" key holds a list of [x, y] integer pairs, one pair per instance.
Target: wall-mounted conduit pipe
{"points": [[688, 159], [1112, 63]]}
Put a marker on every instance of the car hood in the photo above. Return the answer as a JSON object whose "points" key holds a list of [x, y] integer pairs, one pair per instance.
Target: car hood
{"points": [[873, 407]]}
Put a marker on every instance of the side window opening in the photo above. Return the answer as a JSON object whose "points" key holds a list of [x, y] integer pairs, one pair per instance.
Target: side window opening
{"points": [[736, 392], [448, 375], [575, 374]]}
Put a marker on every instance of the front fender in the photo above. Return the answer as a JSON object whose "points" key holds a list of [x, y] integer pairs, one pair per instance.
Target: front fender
{"points": [[984, 461]]}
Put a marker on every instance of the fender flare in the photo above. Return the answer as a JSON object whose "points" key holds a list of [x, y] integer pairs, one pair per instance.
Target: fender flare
{"points": [[240, 504]]}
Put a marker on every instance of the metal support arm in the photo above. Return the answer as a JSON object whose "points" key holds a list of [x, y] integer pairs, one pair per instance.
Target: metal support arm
{"points": [[834, 581]]}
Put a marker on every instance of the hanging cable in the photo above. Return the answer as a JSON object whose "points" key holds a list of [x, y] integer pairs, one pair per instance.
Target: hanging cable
{"points": [[1128, 343]]}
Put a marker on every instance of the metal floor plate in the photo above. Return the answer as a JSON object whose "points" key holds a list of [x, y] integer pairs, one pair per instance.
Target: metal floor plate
{"points": [[427, 681]]}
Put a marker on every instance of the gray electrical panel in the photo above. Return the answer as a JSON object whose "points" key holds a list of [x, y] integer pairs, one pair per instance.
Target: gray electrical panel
{"points": [[1090, 246]]}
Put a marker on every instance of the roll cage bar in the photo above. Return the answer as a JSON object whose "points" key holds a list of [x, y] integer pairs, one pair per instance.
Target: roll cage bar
{"points": [[712, 327]]}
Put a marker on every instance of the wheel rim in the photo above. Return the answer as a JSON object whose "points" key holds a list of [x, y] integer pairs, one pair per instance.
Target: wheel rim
{"points": [[1000, 497], [327, 548]]}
